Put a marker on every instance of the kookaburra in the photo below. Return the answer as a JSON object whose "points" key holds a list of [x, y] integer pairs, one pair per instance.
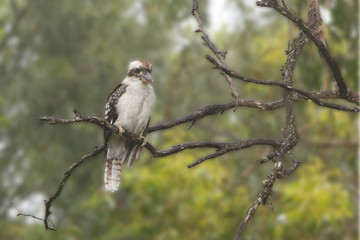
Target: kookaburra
{"points": [[128, 107]]}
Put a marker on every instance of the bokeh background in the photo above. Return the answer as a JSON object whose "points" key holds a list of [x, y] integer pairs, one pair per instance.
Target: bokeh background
{"points": [[57, 55]]}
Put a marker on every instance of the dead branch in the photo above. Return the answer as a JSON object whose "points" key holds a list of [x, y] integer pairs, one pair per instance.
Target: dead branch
{"points": [[79, 117], [57, 193], [277, 172], [314, 99], [220, 108], [220, 147], [313, 35], [219, 54], [48, 225], [290, 134]]}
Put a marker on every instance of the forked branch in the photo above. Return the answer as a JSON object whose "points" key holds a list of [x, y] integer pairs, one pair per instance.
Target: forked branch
{"points": [[311, 29]]}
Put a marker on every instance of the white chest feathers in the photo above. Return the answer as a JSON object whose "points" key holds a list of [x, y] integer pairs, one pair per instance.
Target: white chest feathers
{"points": [[134, 106]]}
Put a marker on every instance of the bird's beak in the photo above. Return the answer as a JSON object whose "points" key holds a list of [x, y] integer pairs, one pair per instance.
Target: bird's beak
{"points": [[146, 78]]}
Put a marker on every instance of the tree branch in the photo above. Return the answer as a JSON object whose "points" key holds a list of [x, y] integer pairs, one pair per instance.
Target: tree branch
{"points": [[219, 54], [229, 147], [47, 224], [290, 137], [155, 153], [282, 85], [57, 193], [344, 91], [100, 122], [265, 106], [277, 172]]}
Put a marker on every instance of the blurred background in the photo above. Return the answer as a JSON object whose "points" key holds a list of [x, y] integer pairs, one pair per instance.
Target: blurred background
{"points": [[57, 55]]}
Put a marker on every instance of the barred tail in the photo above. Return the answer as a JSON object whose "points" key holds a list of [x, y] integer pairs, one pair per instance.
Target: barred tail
{"points": [[112, 174]]}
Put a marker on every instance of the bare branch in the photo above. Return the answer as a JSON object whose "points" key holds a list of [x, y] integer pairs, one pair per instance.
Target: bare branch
{"points": [[220, 108], [57, 193], [282, 85], [155, 153], [219, 54], [260, 199], [277, 172], [98, 121], [312, 34], [49, 202], [315, 20], [229, 147], [48, 224], [290, 136]]}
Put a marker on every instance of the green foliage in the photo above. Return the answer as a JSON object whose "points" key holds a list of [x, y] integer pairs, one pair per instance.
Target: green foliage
{"points": [[328, 201], [65, 54]]}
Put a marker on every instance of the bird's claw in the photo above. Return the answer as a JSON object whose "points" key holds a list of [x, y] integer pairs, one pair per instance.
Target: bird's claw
{"points": [[121, 130], [144, 141]]}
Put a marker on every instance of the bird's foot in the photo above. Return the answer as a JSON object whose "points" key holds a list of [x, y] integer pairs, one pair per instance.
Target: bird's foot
{"points": [[121, 130], [144, 141]]}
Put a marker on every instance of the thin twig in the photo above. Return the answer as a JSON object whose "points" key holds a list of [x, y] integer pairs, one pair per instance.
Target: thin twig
{"points": [[33, 216], [49, 202], [226, 148], [221, 55]]}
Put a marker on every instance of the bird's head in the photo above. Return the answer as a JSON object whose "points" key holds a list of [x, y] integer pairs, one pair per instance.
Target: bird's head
{"points": [[141, 70]]}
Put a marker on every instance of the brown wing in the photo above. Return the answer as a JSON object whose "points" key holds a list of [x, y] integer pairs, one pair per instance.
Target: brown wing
{"points": [[111, 113]]}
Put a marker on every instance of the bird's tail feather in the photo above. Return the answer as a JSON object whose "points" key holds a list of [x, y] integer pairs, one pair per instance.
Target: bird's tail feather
{"points": [[112, 174]]}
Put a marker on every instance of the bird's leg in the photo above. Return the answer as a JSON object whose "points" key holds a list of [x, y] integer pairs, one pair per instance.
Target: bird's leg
{"points": [[144, 141], [121, 130]]}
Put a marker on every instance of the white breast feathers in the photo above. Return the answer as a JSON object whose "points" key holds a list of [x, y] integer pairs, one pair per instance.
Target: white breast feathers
{"points": [[135, 105]]}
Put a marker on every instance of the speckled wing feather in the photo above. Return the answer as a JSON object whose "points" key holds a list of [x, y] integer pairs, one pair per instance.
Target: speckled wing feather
{"points": [[111, 113]]}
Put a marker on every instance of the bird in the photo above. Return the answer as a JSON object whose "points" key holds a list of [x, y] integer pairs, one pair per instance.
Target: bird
{"points": [[128, 107]]}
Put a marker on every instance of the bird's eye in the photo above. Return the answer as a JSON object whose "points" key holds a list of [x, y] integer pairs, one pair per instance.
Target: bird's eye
{"points": [[137, 70]]}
